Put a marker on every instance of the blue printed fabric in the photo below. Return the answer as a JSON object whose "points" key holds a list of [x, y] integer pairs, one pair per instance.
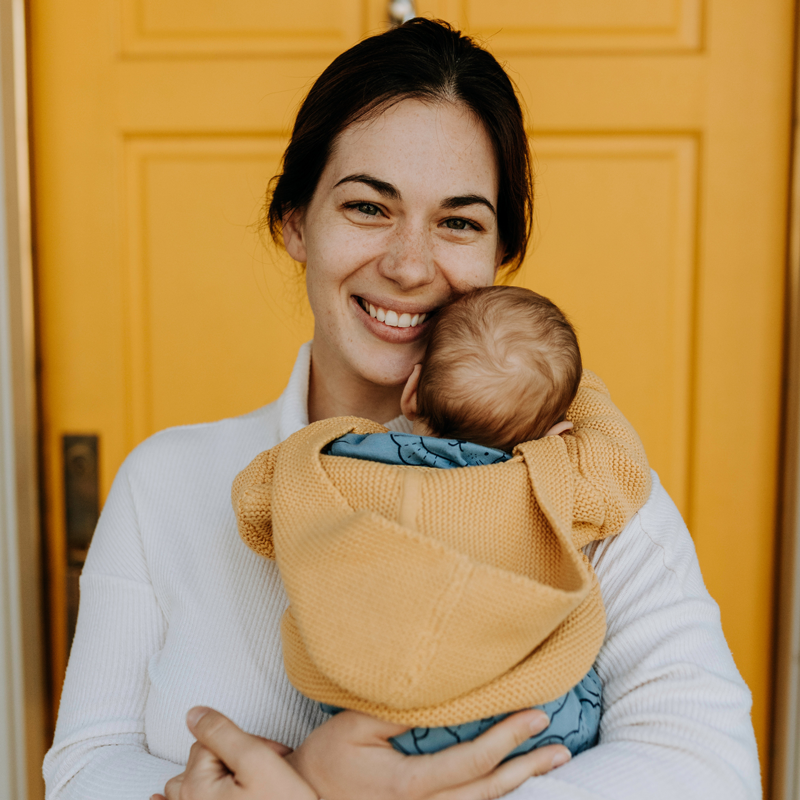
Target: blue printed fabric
{"points": [[418, 451], [574, 722], [574, 717]]}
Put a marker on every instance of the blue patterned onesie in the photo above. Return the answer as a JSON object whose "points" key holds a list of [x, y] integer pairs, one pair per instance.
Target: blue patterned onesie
{"points": [[575, 717]]}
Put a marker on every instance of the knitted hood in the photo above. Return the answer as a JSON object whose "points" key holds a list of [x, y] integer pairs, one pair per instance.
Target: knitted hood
{"points": [[425, 596]]}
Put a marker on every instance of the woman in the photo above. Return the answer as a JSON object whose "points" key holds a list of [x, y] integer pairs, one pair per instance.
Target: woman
{"points": [[406, 182]]}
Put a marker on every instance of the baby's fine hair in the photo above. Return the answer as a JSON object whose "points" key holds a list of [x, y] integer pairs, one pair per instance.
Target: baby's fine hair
{"points": [[502, 367]]}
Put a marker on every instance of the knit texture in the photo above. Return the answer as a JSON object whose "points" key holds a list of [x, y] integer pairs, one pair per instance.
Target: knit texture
{"points": [[409, 605]]}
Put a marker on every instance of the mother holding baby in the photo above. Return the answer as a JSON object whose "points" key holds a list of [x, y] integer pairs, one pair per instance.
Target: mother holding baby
{"points": [[406, 183]]}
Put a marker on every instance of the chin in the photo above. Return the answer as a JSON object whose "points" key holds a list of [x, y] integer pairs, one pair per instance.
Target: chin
{"points": [[392, 369], [388, 377]]}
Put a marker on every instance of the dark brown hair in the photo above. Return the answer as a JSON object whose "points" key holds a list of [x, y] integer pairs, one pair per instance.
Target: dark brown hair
{"points": [[423, 59], [502, 367]]}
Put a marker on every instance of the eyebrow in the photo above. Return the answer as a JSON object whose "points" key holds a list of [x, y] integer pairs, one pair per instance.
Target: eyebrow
{"points": [[381, 187], [390, 191], [468, 200]]}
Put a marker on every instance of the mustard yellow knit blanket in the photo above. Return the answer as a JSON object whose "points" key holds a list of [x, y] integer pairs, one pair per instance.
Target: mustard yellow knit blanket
{"points": [[434, 597]]}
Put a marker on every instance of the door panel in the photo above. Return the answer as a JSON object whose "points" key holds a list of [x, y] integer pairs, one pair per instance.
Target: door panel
{"points": [[661, 135], [239, 27], [587, 25], [614, 248], [201, 340]]}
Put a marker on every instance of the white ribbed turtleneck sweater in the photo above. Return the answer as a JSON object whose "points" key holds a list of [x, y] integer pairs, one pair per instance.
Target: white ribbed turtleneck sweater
{"points": [[176, 611]]}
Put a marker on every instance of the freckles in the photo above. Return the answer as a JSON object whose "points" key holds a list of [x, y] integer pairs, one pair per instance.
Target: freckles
{"points": [[356, 243], [363, 252], [469, 268]]}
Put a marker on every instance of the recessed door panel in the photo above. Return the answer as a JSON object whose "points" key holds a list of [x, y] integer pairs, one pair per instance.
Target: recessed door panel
{"points": [[614, 247], [205, 339]]}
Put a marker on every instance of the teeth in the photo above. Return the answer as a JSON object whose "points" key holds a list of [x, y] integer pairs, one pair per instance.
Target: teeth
{"points": [[392, 318]]}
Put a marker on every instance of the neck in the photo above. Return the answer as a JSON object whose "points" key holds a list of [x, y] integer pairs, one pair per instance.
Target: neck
{"points": [[420, 428], [334, 392]]}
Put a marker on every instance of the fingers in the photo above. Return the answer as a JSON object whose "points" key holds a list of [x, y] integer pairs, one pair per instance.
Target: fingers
{"points": [[215, 732], [196, 752], [201, 765], [281, 749], [172, 790], [225, 760], [510, 775], [470, 761]]}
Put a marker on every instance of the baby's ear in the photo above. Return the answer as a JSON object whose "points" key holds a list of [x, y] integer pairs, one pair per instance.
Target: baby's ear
{"points": [[559, 428], [408, 402]]}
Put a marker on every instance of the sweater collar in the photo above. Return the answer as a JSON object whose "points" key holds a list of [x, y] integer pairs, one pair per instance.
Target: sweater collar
{"points": [[294, 400]]}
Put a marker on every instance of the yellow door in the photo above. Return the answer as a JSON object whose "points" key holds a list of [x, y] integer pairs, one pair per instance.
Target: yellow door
{"points": [[661, 133]]}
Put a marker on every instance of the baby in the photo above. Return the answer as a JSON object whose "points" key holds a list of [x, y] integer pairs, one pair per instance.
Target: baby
{"points": [[432, 597], [502, 367]]}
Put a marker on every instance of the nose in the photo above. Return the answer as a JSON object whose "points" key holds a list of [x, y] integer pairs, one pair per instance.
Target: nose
{"points": [[409, 259]]}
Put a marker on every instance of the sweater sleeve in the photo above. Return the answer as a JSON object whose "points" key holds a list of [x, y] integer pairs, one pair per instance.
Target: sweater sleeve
{"points": [[676, 713], [99, 751], [251, 498]]}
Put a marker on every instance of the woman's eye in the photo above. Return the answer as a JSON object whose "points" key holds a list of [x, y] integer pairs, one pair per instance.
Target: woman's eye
{"points": [[459, 224], [370, 209]]}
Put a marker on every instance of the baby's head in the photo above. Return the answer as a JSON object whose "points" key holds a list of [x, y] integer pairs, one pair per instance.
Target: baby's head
{"points": [[502, 367]]}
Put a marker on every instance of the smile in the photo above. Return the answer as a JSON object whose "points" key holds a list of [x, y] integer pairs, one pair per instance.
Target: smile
{"points": [[394, 319]]}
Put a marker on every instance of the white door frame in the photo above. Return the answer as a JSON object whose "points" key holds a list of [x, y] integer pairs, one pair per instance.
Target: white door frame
{"points": [[23, 703]]}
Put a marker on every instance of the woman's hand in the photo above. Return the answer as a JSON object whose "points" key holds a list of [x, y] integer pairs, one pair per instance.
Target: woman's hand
{"points": [[349, 758], [225, 763]]}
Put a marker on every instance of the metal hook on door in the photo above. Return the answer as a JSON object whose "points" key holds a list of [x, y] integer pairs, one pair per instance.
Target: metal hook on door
{"points": [[401, 11]]}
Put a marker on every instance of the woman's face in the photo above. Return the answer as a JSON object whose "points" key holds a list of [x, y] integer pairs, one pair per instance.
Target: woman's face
{"points": [[402, 219]]}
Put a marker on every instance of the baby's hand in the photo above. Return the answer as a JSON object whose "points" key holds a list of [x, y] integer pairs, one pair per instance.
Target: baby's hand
{"points": [[559, 428]]}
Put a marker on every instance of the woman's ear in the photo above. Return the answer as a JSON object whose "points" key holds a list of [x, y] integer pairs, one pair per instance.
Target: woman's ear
{"points": [[293, 235], [408, 402]]}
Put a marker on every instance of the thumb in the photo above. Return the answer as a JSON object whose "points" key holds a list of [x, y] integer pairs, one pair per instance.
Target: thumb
{"points": [[224, 738], [281, 749]]}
